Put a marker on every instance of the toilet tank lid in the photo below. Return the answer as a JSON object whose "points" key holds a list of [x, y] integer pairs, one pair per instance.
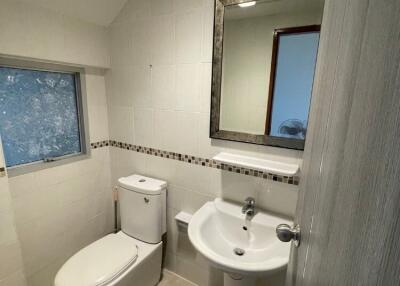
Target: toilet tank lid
{"points": [[142, 184]]}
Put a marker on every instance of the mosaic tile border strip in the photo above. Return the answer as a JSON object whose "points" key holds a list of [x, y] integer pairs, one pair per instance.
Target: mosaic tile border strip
{"points": [[100, 144], [295, 180]]}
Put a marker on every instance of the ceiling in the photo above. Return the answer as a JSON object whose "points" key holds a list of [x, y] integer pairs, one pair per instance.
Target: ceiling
{"points": [[100, 12]]}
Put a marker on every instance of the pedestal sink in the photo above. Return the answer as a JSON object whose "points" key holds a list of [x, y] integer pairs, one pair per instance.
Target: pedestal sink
{"points": [[242, 247]]}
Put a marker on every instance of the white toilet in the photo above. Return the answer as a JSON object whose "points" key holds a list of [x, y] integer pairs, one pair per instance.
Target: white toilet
{"points": [[131, 257]]}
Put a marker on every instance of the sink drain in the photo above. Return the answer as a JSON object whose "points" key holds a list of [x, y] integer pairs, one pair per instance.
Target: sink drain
{"points": [[238, 251]]}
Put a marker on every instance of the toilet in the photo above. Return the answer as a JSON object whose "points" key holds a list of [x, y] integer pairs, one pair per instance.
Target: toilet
{"points": [[131, 257]]}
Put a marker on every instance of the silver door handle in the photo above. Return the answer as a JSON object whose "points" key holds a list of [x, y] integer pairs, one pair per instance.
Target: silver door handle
{"points": [[286, 233]]}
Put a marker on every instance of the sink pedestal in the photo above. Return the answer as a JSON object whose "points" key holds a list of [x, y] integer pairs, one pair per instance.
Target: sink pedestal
{"points": [[238, 280]]}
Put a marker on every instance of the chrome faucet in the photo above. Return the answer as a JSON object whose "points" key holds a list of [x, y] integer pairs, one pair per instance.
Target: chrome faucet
{"points": [[248, 208]]}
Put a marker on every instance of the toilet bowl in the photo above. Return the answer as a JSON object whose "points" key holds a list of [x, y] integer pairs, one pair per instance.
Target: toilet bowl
{"points": [[133, 256]]}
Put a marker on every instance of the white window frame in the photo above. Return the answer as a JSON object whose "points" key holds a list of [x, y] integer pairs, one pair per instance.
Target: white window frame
{"points": [[81, 99]]}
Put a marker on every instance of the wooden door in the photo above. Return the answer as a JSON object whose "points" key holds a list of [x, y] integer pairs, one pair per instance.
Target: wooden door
{"points": [[349, 200]]}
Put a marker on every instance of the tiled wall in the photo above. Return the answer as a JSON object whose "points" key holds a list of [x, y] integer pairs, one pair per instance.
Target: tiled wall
{"points": [[29, 31], [11, 265], [158, 92], [48, 215]]}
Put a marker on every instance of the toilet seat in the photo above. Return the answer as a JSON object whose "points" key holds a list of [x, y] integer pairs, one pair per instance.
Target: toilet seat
{"points": [[100, 263]]}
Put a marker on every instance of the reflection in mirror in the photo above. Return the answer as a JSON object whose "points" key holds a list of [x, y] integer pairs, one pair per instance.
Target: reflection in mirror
{"points": [[264, 60], [293, 61]]}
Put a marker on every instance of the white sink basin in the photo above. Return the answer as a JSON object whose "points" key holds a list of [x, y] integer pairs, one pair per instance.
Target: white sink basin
{"points": [[218, 228]]}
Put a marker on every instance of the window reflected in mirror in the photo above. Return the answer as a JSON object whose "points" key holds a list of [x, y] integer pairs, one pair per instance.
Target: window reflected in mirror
{"points": [[292, 72], [263, 69]]}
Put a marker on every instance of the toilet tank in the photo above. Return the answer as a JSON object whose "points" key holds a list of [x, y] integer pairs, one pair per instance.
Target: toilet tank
{"points": [[142, 203]]}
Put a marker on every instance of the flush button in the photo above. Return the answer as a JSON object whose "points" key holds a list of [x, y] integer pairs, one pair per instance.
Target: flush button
{"points": [[142, 180], [146, 200]]}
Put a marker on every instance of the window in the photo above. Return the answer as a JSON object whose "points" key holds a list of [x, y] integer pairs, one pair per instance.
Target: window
{"points": [[41, 119], [295, 56]]}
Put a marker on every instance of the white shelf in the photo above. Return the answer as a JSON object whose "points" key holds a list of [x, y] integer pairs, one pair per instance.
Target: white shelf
{"points": [[270, 166]]}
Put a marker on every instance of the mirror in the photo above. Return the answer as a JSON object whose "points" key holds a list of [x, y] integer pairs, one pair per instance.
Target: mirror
{"points": [[264, 62]]}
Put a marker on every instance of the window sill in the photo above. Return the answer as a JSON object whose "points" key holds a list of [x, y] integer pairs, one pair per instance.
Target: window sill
{"points": [[41, 165]]}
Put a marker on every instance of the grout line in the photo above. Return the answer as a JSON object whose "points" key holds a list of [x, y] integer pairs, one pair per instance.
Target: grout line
{"points": [[295, 180]]}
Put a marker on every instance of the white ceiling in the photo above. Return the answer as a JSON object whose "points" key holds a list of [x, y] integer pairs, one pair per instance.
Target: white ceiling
{"points": [[100, 12]]}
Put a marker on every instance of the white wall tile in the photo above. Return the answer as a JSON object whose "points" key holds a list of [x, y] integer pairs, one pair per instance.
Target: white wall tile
{"points": [[238, 187], [14, 279], [185, 138], [121, 124], [5, 199], [98, 121], [163, 87], [188, 36], [158, 167], [141, 84], [95, 87], [278, 198], [22, 185], [32, 207], [198, 178], [207, 37], [162, 40], [188, 88], [74, 189], [122, 86], [191, 271], [125, 163], [120, 43], [184, 5], [11, 263], [43, 34], [8, 233], [165, 131], [206, 148], [144, 124], [194, 201], [161, 7], [16, 14], [209, 4], [45, 276], [205, 87], [85, 43], [141, 43], [175, 197]]}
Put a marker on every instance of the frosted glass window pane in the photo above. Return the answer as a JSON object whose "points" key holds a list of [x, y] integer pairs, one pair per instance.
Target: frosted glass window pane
{"points": [[38, 115]]}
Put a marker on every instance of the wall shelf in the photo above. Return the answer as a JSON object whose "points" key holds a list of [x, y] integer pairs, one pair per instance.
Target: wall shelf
{"points": [[264, 165]]}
